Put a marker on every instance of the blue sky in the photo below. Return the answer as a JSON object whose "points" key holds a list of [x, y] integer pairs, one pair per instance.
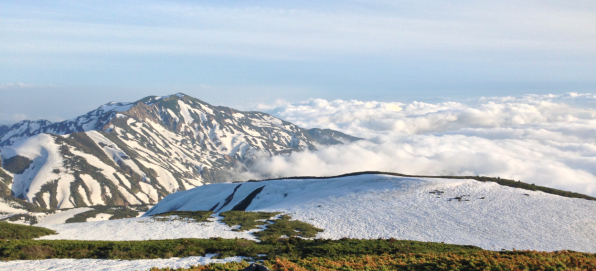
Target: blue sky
{"points": [[60, 59]]}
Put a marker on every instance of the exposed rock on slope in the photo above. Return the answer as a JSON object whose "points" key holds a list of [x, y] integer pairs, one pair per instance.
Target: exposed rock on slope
{"points": [[137, 153]]}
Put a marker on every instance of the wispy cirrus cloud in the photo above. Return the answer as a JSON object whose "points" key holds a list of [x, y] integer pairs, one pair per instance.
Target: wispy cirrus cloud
{"points": [[24, 85], [426, 29]]}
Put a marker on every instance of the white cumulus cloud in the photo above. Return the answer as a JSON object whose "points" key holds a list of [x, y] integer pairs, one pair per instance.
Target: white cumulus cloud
{"points": [[548, 140]]}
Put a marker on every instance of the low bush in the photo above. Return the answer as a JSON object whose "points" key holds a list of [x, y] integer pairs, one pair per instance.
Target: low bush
{"points": [[275, 228], [289, 228], [26, 218], [197, 216], [152, 249], [246, 220], [481, 260], [10, 231], [117, 212]]}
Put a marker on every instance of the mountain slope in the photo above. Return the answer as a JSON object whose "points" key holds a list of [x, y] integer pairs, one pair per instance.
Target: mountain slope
{"points": [[371, 206], [137, 153]]}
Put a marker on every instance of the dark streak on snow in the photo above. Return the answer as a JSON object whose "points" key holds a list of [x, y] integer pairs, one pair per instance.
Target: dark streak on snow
{"points": [[229, 198], [248, 200], [213, 208]]}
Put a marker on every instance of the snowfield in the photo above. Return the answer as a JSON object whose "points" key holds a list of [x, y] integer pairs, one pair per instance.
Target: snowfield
{"points": [[368, 206], [105, 265], [373, 206], [142, 228]]}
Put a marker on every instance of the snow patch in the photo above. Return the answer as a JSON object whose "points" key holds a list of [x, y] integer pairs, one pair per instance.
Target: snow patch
{"points": [[143, 228], [185, 111], [63, 192], [83, 194], [45, 156], [60, 216], [124, 265], [165, 177], [100, 217], [94, 189], [173, 115], [10, 207]]}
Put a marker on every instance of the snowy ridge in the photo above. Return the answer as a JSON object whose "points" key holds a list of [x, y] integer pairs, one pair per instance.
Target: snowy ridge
{"points": [[458, 211], [137, 153]]}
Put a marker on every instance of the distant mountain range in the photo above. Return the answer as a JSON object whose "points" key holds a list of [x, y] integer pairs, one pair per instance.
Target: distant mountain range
{"points": [[137, 153]]}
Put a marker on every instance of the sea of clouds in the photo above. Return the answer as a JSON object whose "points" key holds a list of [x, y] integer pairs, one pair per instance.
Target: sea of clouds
{"points": [[548, 140]]}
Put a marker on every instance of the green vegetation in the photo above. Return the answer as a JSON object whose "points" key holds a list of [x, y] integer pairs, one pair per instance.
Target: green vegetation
{"points": [[5, 181], [16, 164], [51, 188], [82, 142], [80, 166], [532, 187], [197, 216], [504, 182], [293, 248], [24, 217], [116, 212], [286, 227], [10, 231], [170, 103], [5, 178], [275, 229], [482, 260], [133, 155], [246, 220], [21, 204]]}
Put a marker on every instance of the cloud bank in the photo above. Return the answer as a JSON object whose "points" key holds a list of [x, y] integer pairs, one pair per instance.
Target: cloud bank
{"points": [[548, 140]]}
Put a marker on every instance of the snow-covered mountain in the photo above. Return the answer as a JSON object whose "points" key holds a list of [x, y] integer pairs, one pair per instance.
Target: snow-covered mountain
{"points": [[137, 153], [371, 206]]}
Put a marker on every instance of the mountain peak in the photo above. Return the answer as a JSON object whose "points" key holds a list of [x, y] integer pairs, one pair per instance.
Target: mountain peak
{"points": [[137, 153]]}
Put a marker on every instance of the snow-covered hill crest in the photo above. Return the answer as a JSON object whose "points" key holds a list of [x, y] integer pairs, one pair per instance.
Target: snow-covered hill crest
{"points": [[459, 211], [137, 153]]}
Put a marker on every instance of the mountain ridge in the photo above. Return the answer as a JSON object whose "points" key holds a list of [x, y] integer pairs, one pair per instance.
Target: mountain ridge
{"points": [[137, 153], [498, 180]]}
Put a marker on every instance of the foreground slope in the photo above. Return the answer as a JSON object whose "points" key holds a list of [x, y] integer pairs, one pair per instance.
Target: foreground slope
{"points": [[137, 153], [458, 211]]}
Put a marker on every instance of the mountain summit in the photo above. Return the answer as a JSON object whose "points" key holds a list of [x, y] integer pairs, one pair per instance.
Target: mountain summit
{"points": [[137, 153]]}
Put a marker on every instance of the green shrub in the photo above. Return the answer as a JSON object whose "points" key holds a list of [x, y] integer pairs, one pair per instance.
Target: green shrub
{"points": [[153, 249], [246, 220], [286, 227], [25, 217], [275, 228], [197, 216], [482, 260], [10, 231], [117, 212], [16, 164]]}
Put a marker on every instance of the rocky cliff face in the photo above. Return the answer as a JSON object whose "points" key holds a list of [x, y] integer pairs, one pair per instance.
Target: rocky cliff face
{"points": [[137, 153]]}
